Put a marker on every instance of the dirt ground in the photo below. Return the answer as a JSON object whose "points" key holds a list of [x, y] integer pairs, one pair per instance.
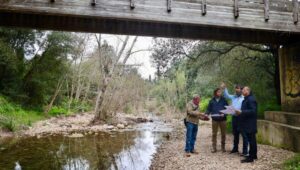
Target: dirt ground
{"points": [[171, 155]]}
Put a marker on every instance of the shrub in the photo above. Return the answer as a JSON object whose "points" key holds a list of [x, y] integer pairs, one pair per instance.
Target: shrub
{"points": [[55, 110], [229, 124], [293, 163], [7, 123], [204, 104]]}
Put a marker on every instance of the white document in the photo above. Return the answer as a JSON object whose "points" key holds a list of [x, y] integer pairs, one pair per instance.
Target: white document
{"points": [[216, 115], [230, 110]]}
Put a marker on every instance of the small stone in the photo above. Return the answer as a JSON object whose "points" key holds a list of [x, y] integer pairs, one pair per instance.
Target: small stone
{"points": [[76, 135], [110, 127]]}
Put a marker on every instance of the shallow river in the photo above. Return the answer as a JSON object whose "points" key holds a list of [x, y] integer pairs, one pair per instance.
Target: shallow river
{"points": [[127, 150]]}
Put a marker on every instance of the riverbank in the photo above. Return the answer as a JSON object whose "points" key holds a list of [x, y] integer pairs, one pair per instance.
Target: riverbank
{"points": [[76, 125], [171, 155]]}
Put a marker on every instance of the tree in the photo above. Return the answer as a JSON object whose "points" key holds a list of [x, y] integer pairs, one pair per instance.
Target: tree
{"points": [[108, 60]]}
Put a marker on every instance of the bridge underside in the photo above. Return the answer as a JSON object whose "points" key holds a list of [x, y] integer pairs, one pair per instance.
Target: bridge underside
{"points": [[186, 19]]}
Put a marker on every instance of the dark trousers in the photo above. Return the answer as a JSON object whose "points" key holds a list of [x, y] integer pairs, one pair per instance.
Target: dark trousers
{"points": [[191, 135], [253, 145], [236, 137]]}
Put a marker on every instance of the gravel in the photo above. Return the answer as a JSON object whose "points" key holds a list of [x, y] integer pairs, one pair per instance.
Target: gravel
{"points": [[171, 155]]}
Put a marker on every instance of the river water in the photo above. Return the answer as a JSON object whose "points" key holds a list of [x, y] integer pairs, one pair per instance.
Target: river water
{"points": [[126, 150]]}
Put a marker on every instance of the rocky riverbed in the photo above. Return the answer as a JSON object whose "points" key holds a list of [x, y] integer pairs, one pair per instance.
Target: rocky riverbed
{"points": [[171, 155], [77, 125]]}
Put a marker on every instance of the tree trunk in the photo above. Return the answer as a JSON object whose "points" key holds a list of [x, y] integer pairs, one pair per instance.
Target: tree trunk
{"points": [[108, 75], [48, 108]]}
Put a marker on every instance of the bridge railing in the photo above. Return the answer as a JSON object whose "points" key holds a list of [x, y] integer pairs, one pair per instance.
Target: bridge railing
{"points": [[263, 8], [267, 6]]}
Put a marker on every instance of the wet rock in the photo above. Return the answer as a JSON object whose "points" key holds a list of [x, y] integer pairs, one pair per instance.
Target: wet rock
{"points": [[141, 120]]}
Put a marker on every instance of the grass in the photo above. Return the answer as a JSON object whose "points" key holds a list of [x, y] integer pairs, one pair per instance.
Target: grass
{"points": [[13, 116], [293, 163]]}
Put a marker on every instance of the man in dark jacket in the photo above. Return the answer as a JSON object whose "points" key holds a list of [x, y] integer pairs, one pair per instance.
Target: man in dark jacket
{"points": [[248, 122], [216, 104]]}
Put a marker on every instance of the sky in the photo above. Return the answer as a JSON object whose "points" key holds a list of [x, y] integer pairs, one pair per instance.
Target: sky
{"points": [[141, 57]]}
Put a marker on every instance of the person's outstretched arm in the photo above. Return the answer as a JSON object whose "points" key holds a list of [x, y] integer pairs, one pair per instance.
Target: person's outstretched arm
{"points": [[227, 95]]}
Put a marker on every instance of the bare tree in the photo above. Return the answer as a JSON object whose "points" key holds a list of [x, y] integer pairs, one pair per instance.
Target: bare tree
{"points": [[108, 60]]}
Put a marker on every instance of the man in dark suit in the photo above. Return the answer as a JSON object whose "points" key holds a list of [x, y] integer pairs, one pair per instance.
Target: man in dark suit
{"points": [[248, 122]]}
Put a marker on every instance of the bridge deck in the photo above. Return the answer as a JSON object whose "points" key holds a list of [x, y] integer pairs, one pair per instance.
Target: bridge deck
{"points": [[259, 21]]}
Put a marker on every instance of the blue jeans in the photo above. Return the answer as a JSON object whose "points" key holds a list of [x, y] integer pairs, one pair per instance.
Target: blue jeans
{"points": [[191, 135]]}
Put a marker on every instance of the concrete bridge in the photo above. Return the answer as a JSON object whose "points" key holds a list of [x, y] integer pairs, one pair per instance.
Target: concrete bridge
{"points": [[251, 21]]}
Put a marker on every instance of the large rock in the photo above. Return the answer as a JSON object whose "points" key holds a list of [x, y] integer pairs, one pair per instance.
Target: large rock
{"points": [[120, 126]]}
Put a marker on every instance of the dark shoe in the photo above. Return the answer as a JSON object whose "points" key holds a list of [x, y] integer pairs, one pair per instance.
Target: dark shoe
{"points": [[255, 157], [213, 150], [247, 160], [195, 152], [234, 151], [187, 154]]}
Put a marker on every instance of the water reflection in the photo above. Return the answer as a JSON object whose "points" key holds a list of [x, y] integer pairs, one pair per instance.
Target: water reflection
{"points": [[129, 150]]}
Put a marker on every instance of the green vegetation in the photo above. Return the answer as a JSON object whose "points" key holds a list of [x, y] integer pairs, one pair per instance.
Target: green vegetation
{"points": [[188, 67], [13, 116], [49, 73], [293, 163], [31, 67]]}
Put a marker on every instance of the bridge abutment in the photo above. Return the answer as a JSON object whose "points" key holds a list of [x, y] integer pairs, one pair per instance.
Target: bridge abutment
{"points": [[282, 128]]}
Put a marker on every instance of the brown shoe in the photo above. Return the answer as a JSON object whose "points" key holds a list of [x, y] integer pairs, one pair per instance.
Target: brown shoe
{"points": [[187, 154], [213, 150]]}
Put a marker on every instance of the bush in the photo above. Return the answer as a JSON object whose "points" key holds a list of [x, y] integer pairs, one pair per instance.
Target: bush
{"points": [[7, 124], [55, 110], [12, 115], [204, 104], [293, 163], [267, 106], [128, 109], [229, 124]]}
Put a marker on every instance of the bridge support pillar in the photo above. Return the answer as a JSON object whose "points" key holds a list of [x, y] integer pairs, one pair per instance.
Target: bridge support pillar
{"points": [[282, 128], [289, 62]]}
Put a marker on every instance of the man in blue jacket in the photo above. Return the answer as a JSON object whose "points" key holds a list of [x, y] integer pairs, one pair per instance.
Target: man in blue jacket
{"points": [[248, 122], [216, 104], [236, 101]]}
